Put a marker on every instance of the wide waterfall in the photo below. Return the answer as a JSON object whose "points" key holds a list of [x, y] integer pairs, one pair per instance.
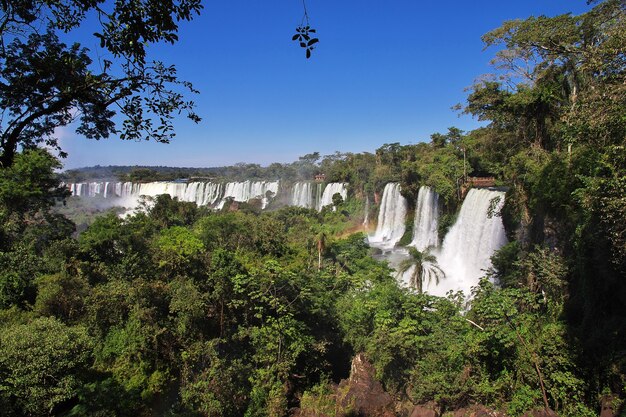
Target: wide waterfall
{"points": [[330, 190], [302, 195], [391, 218], [426, 222], [470, 243], [201, 193]]}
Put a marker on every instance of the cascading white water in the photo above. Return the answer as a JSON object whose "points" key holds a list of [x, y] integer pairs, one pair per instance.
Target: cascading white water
{"points": [[391, 218], [366, 217], [470, 243], [302, 195], [199, 192], [211, 194], [318, 196], [331, 189], [426, 221], [247, 190]]}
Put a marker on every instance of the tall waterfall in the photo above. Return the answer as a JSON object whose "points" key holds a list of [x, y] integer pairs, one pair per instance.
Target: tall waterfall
{"points": [[470, 243], [426, 219], [366, 217], [330, 190], [318, 196], [302, 195], [391, 218]]}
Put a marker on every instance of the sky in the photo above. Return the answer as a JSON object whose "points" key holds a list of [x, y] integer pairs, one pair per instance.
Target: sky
{"points": [[383, 72]]}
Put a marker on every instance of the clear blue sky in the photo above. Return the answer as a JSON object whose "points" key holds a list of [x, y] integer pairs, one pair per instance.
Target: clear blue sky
{"points": [[384, 71]]}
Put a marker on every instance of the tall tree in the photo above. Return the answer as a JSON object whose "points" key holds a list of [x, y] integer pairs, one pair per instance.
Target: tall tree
{"points": [[46, 84]]}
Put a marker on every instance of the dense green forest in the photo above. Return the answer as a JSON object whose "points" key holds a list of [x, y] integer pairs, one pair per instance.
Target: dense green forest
{"points": [[180, 310]]}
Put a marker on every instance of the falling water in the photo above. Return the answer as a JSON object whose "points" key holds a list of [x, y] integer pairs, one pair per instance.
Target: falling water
{"points": [[302, 195], [426, 219], [366, 217], [391, 218], [470, 243], [247, 190], [330, 190], [318, 196]]}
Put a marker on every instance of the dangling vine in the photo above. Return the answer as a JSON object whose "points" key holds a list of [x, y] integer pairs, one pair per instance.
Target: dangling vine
{"points": [[303, 33]]}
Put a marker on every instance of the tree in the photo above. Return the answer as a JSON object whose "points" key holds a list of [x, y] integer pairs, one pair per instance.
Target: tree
{"points": [[423, 266], [320, 241], [47, 84], [562, 78], [337, 199], [42, 366]]}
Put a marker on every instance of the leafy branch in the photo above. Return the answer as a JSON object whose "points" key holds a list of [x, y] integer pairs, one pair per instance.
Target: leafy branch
{"points": [[303, 33]]}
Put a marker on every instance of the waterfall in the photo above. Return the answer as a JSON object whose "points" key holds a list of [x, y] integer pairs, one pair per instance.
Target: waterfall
{"points": [[470, 243], [318, 196], [107, 190], [426, 219], [247, 190], [211, 194], [330, 190], [366, 217], [302, 195], [391, 218], [200, 193]]}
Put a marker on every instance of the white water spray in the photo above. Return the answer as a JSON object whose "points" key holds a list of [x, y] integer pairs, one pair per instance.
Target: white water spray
{"points": [[391, 218], [467, 248], [426, 224]]}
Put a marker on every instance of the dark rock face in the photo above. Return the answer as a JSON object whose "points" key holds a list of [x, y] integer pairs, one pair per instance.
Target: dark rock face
{"points": [[361, 394]]}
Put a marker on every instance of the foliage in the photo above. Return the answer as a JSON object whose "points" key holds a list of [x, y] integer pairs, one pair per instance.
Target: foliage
{"points": [[423, 267], [48, 84], [42, 364]]}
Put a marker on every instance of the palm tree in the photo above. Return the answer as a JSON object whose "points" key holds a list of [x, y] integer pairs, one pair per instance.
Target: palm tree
{"points": [[321, 240], [424, 265]]}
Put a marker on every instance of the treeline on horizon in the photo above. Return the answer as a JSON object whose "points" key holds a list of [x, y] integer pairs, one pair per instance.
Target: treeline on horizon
{"points": [[182, 311]]}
